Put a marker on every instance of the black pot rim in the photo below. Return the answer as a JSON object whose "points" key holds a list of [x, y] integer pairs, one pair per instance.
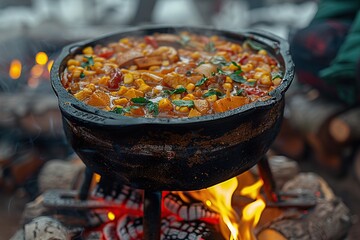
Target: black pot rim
{"points": [[72, 107]]}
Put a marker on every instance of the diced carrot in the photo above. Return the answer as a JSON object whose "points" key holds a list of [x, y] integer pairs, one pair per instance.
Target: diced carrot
{"points": [[229, 103], [202, 106], [99, 99]]}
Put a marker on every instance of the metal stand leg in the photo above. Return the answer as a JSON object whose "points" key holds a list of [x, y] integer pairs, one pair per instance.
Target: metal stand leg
{"points": [[84, 190], [281, 199], [268, 179], [152, 215]]}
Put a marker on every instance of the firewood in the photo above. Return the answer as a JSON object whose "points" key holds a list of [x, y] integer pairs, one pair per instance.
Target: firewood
{"points": [[46, 228], [329, 219], [357, 164], [60, 174], [345, 128]]}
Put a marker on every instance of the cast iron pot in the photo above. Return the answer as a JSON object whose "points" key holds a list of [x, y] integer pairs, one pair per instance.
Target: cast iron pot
{"points": [[174, 154]]}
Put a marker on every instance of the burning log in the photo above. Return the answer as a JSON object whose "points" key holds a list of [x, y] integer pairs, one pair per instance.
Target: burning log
{"points": [[344, 128], [330, 219]]}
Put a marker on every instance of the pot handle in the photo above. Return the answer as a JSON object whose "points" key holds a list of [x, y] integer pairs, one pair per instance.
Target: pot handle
{"points": [[269, 36]]}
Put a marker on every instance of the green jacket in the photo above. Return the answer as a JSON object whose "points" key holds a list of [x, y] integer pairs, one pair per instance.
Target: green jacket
{"points": [[344, 65]]}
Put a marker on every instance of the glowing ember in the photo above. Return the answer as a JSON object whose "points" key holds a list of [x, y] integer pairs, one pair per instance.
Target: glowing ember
{"points": [[41, 58], [15, 69], [37, 70], [251, 216], [111, 216]]}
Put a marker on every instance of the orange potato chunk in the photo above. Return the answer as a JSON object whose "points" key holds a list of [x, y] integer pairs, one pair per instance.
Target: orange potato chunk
{"points": [[194, 113], [133, 93], [202, 105], [99, 99], [146, 62], [229, 103]]}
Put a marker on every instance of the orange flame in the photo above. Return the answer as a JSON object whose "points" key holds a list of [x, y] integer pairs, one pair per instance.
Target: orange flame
{"points": [[111, 216], [15, 69], [49, 65], [251, 216]]}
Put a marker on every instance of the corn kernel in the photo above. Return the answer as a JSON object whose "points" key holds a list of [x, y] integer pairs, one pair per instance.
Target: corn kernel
{"points": [[107, 108], [124, 40], [122, 90], [232, 67], [89, 73], [73, 62], [177, 108], [175, 96], [121, 101], [71, 68], [251, 80], [262, 52], [76, 73], [212, 98], [104, 80], [142, 45], [139, 82], [227, 86], [111, 65], [265, 80], [97, 65], [190, 87], [277, 81], [128, 78], [165, 104], [247, 67], [112, 60], [190, 96], [165, 63], [228, 79], [195, 55], [258, 75], [184, 109], [88, 50]]}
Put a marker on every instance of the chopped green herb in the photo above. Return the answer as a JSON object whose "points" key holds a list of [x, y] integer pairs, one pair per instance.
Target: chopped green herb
{"points": [[140, 101], [213, 92], [121, 110], [219, 60], [253, 45], [184, 103], [220, 71], [210, 47], [151, 106], [201, 81], [200, 63], [275, 75], [89, 62], [239, 92], [82, 75], [236, 65], [184, 40], [175, 91]]}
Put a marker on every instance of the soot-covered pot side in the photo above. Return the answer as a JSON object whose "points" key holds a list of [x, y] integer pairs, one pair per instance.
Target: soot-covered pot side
{"points": [[173, 154]]}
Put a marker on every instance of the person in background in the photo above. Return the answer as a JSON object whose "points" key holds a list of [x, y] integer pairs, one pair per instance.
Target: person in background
{"points": [[327, 52]]}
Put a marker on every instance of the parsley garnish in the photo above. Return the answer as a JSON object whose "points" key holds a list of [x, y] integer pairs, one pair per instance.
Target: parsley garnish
{"points": [[239, 92], [184, 103], [253, 45], [210, 47], [275, 75], [175, 91], [201, 81], [151, 106], [89, 62], [236, 65], [212, 92], [184, 40], [123, 110], [82, 75]]}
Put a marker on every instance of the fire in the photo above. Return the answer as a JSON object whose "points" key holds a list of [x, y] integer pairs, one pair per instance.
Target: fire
{"points": [[234, 225], [49, 65], [111, 216], [41, 58], [15, 69]]}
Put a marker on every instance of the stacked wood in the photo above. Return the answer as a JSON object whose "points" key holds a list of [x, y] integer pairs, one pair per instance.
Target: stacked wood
{"points": [[329, 219], [329, 128]]}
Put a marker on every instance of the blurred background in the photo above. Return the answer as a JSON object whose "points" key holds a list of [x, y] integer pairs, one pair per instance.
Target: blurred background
{"points": [[32, 33]]}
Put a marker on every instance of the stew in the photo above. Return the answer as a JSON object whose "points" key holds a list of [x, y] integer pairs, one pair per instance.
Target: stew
{"points": [[171, 75]]}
